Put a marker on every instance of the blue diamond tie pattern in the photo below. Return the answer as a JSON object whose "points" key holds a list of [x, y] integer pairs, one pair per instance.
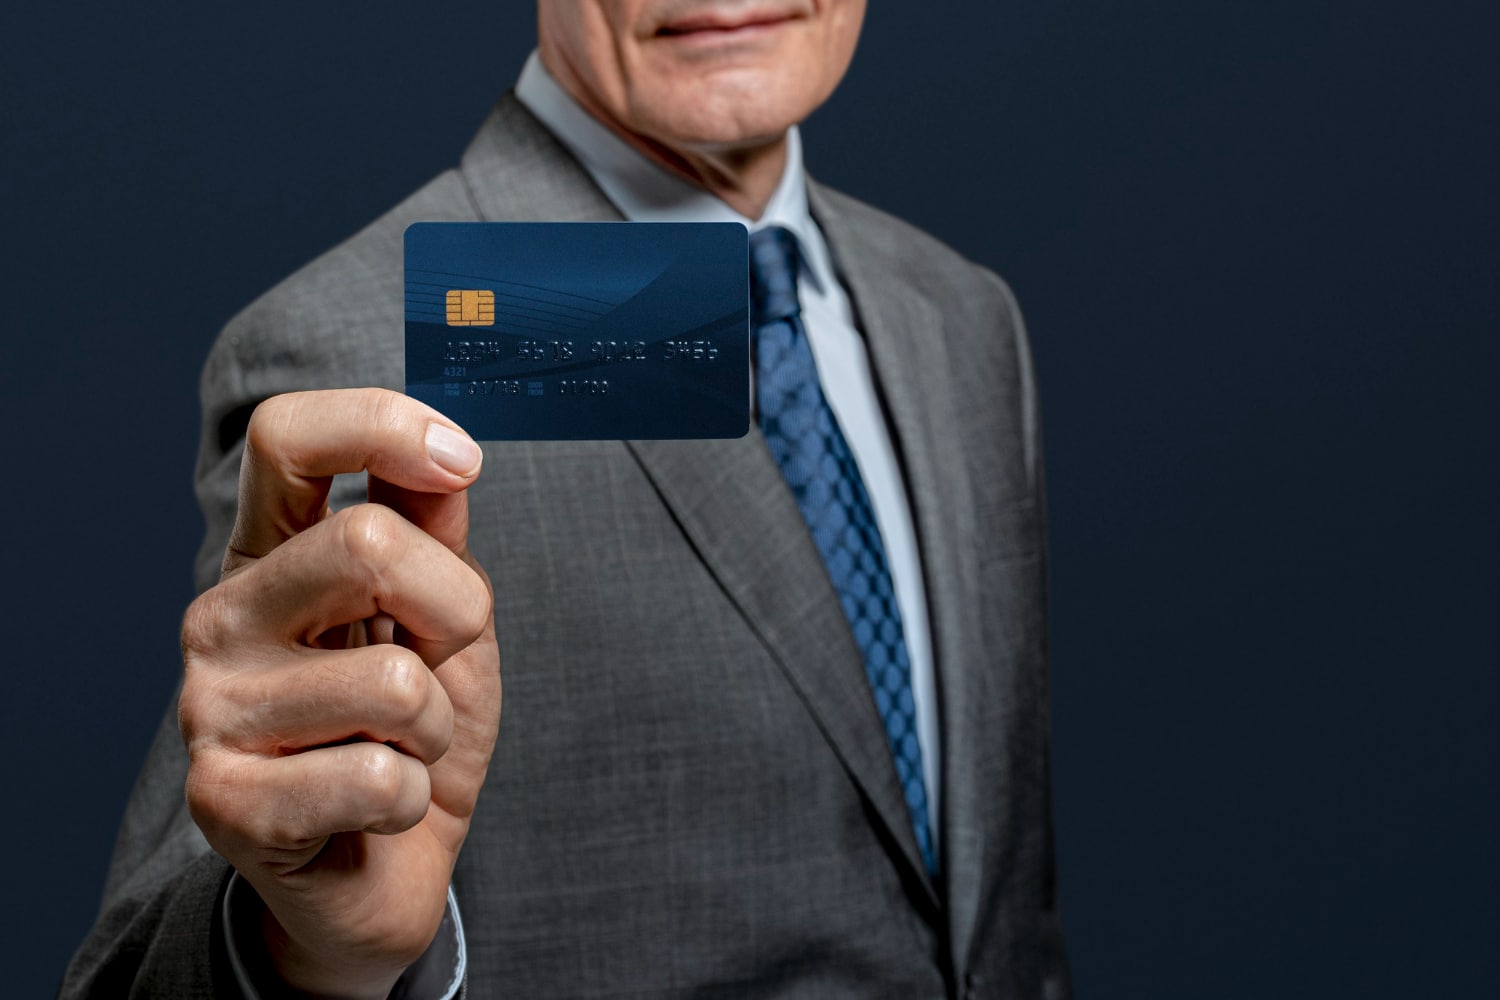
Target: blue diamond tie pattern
{"points": [[805, 438]]}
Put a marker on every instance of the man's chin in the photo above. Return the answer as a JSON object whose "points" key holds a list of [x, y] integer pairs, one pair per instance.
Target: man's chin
{"points": [[720, 118]]}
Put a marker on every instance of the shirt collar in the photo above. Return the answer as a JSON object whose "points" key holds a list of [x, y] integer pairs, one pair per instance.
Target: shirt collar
{"points": [[645, 192]]}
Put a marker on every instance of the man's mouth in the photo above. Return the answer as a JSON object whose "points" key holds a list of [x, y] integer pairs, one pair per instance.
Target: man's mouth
{"points": [[710, 24]]}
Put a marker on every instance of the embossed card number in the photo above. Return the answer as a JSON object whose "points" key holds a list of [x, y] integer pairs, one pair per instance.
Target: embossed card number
{"points": [[578, 331]]}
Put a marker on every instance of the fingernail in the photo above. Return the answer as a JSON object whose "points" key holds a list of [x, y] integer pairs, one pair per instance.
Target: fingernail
{"points": [[453, 450]]}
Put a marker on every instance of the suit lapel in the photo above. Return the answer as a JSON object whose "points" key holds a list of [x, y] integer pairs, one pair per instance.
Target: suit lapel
{"points": [[909, 353], [728, 496], [733, 504]]}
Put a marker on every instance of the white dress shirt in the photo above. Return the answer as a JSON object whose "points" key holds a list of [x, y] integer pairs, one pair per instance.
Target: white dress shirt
{"points": [[645, 192]]}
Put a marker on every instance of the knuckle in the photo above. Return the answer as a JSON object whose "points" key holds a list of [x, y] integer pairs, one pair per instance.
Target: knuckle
{"points": [[198, 790], [203, 626], [192, 715], [212, 795], [381, 774], [202, 638], [404, 680], [371, 534]]}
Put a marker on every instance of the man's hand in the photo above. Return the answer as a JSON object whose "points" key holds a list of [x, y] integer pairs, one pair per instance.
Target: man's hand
{"points": [[342, 688]]}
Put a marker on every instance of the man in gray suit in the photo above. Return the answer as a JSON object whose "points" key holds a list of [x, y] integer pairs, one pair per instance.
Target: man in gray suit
{"points": [[695, 790]]}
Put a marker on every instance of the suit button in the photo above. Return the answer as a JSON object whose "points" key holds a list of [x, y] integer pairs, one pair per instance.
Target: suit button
{"points": [[972, 983]]}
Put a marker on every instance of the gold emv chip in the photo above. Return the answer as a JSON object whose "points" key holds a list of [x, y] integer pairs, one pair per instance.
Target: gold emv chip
{"points": [[471, 307]]}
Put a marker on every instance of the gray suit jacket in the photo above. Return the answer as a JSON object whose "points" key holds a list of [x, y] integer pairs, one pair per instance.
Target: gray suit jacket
{"points": [[691, 794]]}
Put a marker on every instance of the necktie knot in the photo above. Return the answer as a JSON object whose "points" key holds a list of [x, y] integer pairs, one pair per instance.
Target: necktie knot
{"points": [[774, 261]]}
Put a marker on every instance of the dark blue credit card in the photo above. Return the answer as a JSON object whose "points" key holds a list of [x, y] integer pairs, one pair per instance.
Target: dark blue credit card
{"points": [[580, 331]]}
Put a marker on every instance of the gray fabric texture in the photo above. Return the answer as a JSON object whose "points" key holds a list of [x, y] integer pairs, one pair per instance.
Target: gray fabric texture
{"points": [[691, 794]]}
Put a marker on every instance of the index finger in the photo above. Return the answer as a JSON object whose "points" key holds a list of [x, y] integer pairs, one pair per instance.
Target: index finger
{"points": [[296, 443]]}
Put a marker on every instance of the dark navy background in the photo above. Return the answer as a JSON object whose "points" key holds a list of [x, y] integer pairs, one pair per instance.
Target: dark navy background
{"points": [[1257, 247]]}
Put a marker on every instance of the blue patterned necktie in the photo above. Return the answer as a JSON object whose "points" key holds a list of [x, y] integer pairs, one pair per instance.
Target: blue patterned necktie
{"points": [[815, 460]]}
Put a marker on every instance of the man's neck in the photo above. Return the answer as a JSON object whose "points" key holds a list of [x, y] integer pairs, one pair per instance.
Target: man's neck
{"points": [[743, 177]]}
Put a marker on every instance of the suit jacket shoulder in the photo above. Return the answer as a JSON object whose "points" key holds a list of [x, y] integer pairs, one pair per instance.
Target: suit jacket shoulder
{"points": [[981, 323], [967, 288]]}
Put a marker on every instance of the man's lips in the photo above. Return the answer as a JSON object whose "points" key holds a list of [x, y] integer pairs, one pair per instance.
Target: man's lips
{"points": [[712, 23]]}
